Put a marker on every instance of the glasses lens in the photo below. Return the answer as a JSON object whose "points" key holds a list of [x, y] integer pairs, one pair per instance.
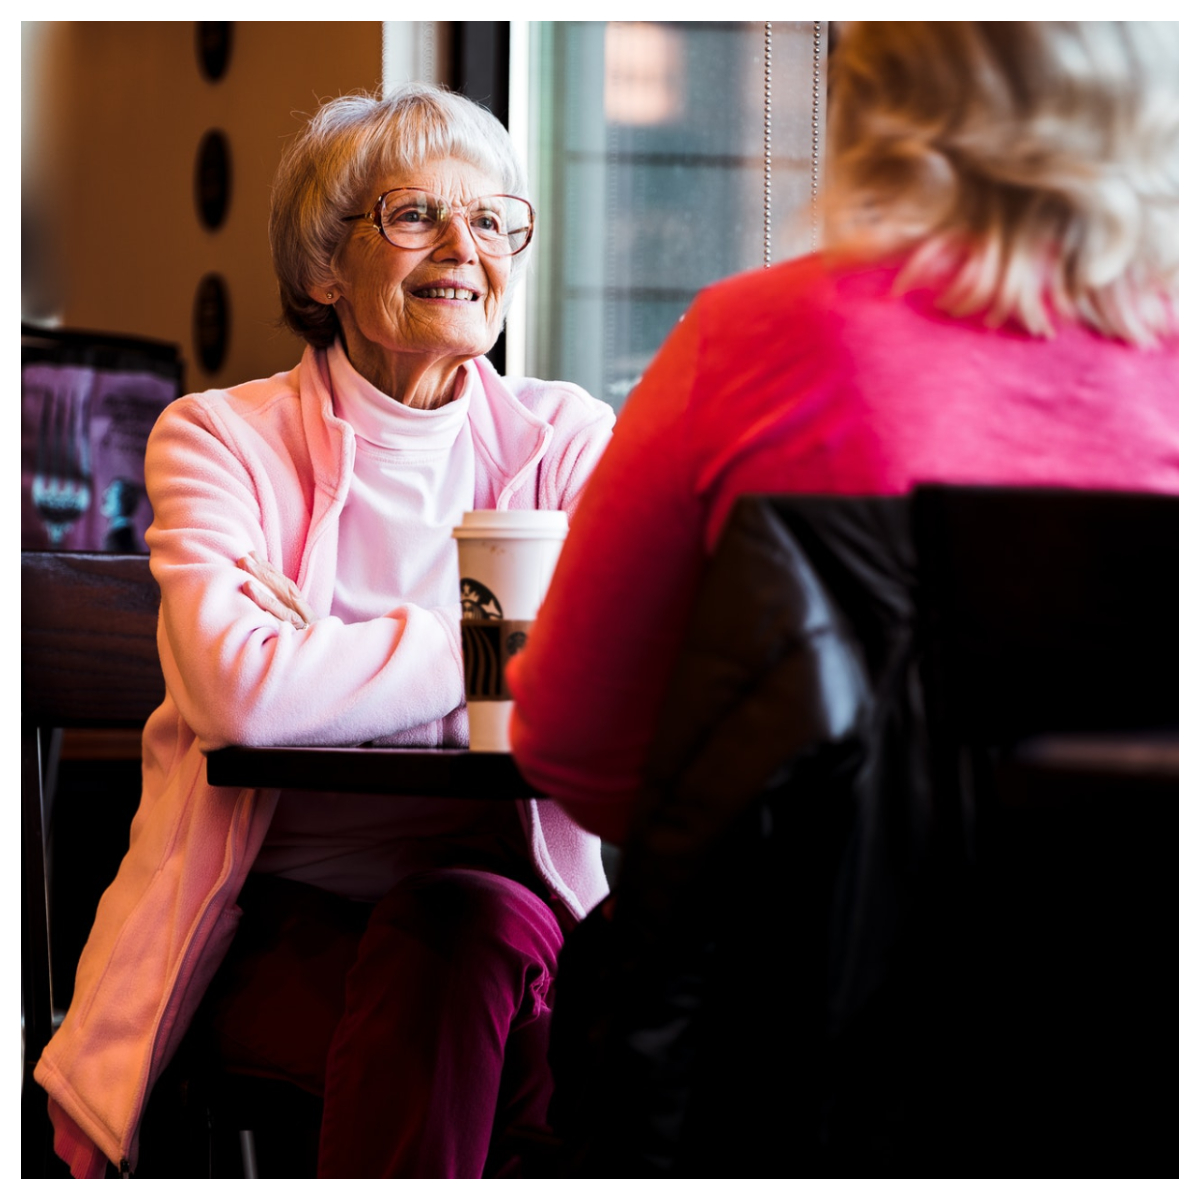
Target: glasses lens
{"points": [[413, 219], [410, 218], [500, 224]]}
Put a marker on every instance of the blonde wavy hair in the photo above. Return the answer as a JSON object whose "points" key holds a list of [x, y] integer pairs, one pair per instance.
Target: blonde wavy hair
{"points": [[1025, 170], [342, 151]]}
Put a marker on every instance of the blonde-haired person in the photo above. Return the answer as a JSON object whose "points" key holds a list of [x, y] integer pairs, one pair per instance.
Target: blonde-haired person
{"points": [[393, 957], [996, 304], [1029, 171]]}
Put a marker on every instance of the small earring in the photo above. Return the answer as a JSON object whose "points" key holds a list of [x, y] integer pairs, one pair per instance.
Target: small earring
{"points": [[328, 295]]}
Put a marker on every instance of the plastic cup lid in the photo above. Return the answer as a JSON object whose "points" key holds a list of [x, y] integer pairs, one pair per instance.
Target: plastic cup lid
{"points": [[490, 522]]}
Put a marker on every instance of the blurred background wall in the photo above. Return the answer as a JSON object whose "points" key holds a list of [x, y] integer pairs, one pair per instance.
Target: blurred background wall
{"points": [[114, 118]]}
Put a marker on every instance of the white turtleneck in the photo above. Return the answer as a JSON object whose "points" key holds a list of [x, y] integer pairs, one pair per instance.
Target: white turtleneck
{"points": [[414, 477]]}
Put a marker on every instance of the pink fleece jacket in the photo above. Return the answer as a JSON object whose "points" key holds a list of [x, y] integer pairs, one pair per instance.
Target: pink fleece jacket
{"points": [[266, 467]]}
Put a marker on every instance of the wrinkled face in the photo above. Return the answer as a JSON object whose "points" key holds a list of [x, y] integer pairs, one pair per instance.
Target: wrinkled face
{"points": [[441, 301]]}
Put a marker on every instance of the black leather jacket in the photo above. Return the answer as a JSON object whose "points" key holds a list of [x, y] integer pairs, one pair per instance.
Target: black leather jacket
{"points": [[765, 881]]}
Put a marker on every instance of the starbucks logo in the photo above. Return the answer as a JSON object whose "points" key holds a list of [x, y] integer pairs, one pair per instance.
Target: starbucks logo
{"points": [[489, 644], [478, 603]]}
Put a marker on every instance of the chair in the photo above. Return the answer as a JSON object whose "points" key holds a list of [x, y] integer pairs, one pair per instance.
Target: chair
{"points": [[90, 662], [901, 896], [88, 658], [1051, 676]]}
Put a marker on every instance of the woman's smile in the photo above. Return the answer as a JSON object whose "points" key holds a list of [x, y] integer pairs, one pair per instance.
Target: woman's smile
{"points": [[446, 290], [412, 317]]}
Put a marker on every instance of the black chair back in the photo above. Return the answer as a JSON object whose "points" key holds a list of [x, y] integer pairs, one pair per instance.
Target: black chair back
{"points": [[1050, 628], [1050, 610], [884, 944]]}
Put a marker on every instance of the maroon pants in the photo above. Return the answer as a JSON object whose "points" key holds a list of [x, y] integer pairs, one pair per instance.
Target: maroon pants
{"points": [[422, 1020]]}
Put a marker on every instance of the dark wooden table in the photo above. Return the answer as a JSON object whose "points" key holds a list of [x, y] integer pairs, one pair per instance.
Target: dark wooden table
{"points": [[449, 772]]}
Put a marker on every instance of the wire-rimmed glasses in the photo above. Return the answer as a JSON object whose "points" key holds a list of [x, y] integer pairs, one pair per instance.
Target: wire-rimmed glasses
{"points": [[413, 219]]}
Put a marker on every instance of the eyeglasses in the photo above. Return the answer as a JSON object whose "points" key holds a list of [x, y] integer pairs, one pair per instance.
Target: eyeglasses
{"points": [[413, 219]]}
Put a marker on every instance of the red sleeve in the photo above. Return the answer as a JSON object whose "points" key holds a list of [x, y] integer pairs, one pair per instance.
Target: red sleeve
{"points": [[589, 685]]}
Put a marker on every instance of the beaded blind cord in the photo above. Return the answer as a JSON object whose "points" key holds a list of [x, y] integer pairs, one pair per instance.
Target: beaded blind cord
{"points": [[816, 137], [816, 126], [428, 51], [766, 143]]}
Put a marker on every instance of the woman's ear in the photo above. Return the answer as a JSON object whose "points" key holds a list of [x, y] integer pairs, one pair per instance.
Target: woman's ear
{"points": [[325, 293]]}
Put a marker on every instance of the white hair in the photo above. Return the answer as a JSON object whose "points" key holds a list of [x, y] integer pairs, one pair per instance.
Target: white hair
{"points": [[347, 145]]}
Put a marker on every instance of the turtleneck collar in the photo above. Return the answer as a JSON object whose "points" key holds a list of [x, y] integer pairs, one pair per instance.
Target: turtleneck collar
{"points": [[384, 422]]}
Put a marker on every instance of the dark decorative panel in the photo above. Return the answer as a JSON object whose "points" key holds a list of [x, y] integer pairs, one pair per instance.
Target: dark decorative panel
{"points": [[210, 322], [213, 174], [214, 45]]}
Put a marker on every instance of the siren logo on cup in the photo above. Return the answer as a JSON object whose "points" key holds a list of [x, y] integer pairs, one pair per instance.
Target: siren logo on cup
{"points": [[483, 660], [478, 603], [488, 645]]}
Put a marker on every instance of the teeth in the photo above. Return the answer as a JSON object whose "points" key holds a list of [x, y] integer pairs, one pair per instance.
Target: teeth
{"points": [[446, 293]]}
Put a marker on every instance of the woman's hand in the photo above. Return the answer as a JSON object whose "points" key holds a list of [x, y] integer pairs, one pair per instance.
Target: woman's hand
{"points": [[274, 592]]}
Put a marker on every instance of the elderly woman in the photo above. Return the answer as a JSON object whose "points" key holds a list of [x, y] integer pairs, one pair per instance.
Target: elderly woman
{"points": [[393, 957], [996, 304]]}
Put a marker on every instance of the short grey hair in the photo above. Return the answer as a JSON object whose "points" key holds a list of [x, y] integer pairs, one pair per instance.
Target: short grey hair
{"points": [[1023, 169], [343, 149]]}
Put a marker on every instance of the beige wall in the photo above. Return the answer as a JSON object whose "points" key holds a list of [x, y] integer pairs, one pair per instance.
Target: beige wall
{"points": [[113, 116]]}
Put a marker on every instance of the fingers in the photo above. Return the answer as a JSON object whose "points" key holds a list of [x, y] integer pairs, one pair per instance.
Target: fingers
{"points": [[274, 593], [251, 564], [270, 603], [281, 585], [300, 604], [259, 568]]}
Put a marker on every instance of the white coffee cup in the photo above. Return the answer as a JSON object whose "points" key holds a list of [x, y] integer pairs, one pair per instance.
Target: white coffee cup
{"points": [[506, 560]]}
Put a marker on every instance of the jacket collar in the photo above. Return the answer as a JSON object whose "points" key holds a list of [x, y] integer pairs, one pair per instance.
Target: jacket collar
{"points": [[330, 440], [510, 440]]}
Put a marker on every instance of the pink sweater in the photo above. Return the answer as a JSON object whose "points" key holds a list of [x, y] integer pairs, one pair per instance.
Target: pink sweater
{"points": [[802, 378], [266, 467]]}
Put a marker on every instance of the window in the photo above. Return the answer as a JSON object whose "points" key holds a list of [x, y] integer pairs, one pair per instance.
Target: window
{"points": [[647, 161]]}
